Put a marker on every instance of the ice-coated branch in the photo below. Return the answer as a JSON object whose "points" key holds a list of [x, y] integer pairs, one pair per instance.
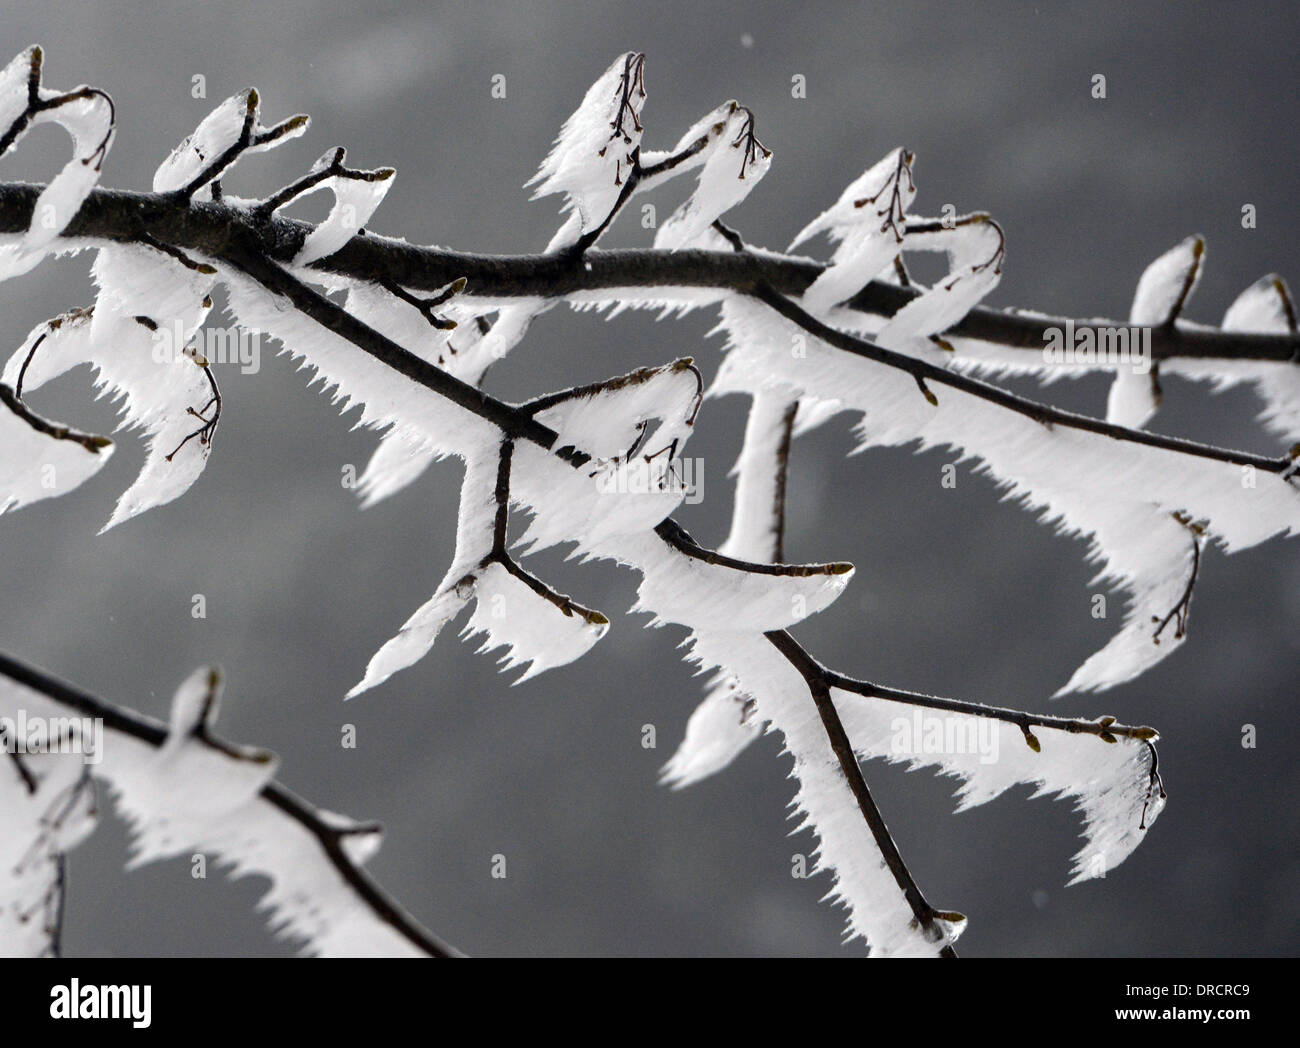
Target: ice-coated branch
{"points": [[41, 102], [924, 371], [819, 685], [512, 422], [762, 473], [1182, 608], [336, 319], [329, 166], [227, 133], [519, 423], [820, 681], [736, 609], [132, 740], [426, 306], [1105, 728], [208, 226], [499, 554], [14, 403], [208, 425], [677, 537]]}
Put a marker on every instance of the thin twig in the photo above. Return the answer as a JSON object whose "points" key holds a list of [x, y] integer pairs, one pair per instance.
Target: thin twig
{"points": [[893, 212], [37, 105], [180, 256], [1102, 727], [24, 772], [206, 431], [60, 904], [1181, 610], [426, 306], [334, 169], [89, 441], [678, 537], [248, 136], [500, 555], [782, 468]]}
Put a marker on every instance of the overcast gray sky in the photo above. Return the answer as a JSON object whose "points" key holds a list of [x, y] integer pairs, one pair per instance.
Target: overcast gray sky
{"points": [[956, 593]]}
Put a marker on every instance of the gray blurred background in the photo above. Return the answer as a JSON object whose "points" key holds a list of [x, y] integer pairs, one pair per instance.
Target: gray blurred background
{"points": [[956, 593]]}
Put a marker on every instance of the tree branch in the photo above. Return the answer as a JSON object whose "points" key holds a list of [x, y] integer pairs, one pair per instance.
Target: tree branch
{"points": [[512, 421], [924, 371], [677, 537], [520, 424], [782, 466], [516, 423], [318, 174], [249, 137], [240, 244], [1181, 610], [815, 677], [499, 554], [208, 227], [1102, 727], [89, 441], [328, 837], [36, 105]]}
